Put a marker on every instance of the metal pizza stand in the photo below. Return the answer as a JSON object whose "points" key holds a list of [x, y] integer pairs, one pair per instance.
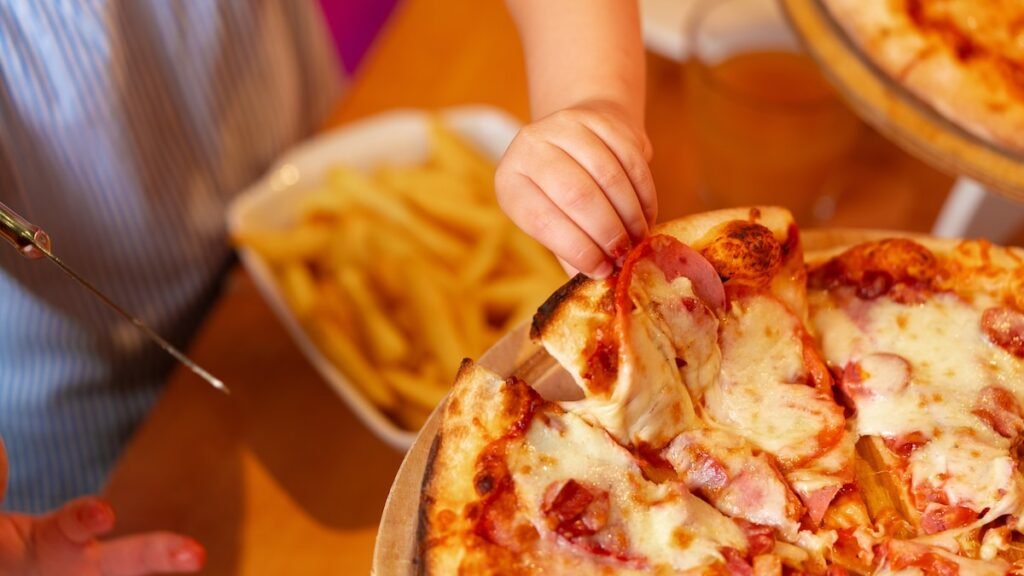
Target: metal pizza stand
{"points": [[986, 200]]}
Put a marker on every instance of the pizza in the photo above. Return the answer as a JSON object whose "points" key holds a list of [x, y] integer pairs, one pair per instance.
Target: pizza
{"points": [[965, 58], [741, 407]]}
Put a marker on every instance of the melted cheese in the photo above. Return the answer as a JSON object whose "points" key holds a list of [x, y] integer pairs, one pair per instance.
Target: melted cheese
{"points": [[693, 330], [647, 402], [758, 395], [973, 472], [830, 470], [951, 362], [557, 448]]}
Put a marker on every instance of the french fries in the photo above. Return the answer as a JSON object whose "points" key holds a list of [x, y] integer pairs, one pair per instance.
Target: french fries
{"points": [[400, 273]]}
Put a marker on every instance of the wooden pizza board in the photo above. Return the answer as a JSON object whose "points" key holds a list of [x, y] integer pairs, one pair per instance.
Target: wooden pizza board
{"points": [[895, 111], [396, 549]]}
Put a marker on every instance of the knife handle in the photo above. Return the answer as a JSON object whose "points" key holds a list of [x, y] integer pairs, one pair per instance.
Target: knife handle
{"points": [[30, 240]]}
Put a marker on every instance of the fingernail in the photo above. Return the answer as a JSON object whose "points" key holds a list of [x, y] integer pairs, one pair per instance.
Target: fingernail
{"points": [[189, 557], [622, 249], [603, 271], [96, 516]]}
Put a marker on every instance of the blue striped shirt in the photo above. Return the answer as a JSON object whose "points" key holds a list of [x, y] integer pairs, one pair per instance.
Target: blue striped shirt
{"points": [[125, 128]]}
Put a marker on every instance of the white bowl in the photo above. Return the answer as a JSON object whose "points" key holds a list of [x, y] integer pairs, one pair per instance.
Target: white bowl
{"points": [[393, 138]]}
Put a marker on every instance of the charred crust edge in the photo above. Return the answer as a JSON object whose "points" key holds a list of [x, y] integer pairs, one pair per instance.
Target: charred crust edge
{"points": [[466, 365], [547, 311], [426, 503]]}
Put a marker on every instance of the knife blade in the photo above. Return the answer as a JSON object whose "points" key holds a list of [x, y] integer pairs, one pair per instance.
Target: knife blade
{"points": [[34, 243]]}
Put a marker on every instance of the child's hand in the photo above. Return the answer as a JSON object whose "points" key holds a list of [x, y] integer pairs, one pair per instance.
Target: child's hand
{"points": [[578, 182]]}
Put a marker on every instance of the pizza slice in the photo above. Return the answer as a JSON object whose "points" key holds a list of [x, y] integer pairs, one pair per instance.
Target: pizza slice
{"points": [[927, 338], [516, 485], [964, 58], [773, 388], [702, 328]]}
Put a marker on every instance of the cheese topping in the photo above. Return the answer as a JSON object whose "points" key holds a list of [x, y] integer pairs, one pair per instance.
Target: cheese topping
{"points": [[971, 471], [648, 402], [689, 323], [956, 453], [645, 400], [665, 524], [762, 394]]}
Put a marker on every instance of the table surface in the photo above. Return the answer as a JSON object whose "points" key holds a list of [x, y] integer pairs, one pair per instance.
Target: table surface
{"points": [[279, 477]]}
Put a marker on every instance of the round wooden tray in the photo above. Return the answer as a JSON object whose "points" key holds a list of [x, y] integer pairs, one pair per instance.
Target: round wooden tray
{"points": [[895, 111], [396, 550]]}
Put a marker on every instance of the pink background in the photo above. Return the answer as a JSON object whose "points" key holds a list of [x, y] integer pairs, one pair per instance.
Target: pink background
{"points": [[354, 24]]}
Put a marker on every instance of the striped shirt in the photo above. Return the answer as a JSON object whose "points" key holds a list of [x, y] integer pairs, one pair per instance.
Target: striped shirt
{"points": [[125, 128]]}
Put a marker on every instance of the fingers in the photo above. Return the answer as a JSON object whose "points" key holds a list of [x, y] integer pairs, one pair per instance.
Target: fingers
{"points": [[632, 153], [76, 523], [578, 182], [150, 553], [577, 195], [594, 155], [66, 538], [539, 217]]}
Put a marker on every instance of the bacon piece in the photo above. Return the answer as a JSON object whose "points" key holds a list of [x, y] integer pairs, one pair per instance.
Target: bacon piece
{"points": [[876, 375], [675, 260], [818, 482], [999, 408], [817, 502], [938, 517], [602, 366], [573, 510], [736, 564], [686, 315], [904, 444], [579, 513], [724, 468], [1005, 328], [761, 538]]}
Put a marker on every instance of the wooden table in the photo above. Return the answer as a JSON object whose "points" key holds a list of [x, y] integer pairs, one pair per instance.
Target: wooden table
{"points": [[279, 478]]}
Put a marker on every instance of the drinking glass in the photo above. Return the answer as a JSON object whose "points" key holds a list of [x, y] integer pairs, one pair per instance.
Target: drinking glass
{"points": [[767, 127]]}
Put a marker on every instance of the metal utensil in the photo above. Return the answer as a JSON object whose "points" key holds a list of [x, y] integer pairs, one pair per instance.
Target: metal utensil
{"points": [[34, 243]]}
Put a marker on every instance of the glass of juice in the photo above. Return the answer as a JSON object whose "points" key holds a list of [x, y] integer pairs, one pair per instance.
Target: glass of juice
{"points": [[767, 127]]}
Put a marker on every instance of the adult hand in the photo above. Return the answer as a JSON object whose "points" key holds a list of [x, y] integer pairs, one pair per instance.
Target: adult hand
{"points": [[65, 542]]}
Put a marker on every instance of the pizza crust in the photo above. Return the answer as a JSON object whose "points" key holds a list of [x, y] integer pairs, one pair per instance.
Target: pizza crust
{"points": [[469, 423], [972, 94]]}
